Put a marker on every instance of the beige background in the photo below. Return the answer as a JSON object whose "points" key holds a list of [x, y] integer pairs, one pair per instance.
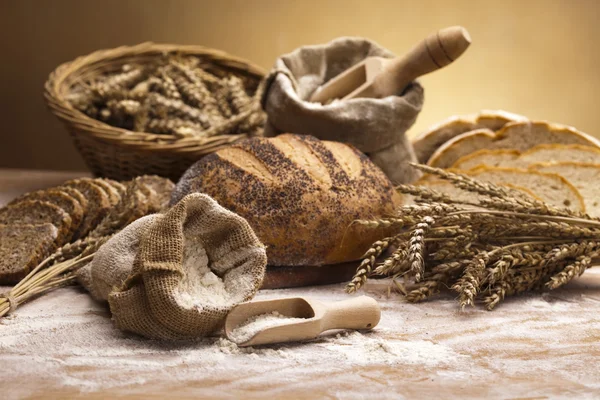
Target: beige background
{"points": [[535, 57]]}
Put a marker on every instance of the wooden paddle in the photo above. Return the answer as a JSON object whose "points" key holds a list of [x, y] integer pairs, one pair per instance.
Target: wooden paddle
{"points": [[378, 77], [358, 313]]}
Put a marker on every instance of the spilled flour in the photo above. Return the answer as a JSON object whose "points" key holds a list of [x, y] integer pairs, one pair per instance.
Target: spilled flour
{"points": [[247, 329], [65, 343]]}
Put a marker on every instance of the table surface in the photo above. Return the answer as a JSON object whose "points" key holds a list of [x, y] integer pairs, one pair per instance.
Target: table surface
{"points": [[533, 346]]}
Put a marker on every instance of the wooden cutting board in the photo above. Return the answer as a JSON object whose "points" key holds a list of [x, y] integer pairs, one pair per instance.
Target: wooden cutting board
{"points": [[289, 277]]}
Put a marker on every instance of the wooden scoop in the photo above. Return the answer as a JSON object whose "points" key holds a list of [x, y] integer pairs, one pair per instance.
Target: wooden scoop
{"points": [[358, 313], [378, 77]]}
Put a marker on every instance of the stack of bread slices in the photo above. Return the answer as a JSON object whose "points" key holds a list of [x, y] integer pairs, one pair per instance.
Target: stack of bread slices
{"points": [[553, 163], [35, 224]]}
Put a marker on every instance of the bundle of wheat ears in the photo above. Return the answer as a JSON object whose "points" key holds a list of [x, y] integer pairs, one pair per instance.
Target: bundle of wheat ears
{"points": [[173, 95], [498, 244]]}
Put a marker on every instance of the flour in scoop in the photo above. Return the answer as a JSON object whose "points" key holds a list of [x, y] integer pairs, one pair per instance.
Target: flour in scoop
{"points": [[246, 330]]}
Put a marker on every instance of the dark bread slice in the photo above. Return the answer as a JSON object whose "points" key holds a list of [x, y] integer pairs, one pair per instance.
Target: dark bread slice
{"points": [[133, 205], [113, 194], [60, 198], [160, 191], [34, 212], [118, 186], [77, 195], [22, 248], [98, 204]]}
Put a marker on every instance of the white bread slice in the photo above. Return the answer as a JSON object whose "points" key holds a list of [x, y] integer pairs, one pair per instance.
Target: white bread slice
{"points": [[447, 187], [560, 153], [511, 158], [486, 157], [551, 188], [426, 143], [583, 176], [520, 136]]}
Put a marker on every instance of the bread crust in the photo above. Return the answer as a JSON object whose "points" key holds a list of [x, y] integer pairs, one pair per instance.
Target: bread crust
{"points": [[429, 141], [59, 198], [583, 180], [432, 183], [35, 212], [98, 203], [23, 247], [580, 206], [515, 135], [299, 197], [483, 153]]}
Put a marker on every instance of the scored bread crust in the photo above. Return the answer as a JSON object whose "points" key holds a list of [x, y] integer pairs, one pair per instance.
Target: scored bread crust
{"points": [[299, 194], [520, 136], [579, 206], [429, 141], [34, 212], [23, 247]]}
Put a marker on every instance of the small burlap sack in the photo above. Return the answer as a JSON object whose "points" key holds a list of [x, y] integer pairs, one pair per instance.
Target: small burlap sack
{"points": [[177, 275], [377, 127]]}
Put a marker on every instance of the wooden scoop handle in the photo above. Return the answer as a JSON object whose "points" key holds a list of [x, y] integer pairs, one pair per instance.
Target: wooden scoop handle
{"points": [[358, 313], [436, 51]]}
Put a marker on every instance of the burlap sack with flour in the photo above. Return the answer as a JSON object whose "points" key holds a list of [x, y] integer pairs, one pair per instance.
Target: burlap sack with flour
{"points": [[377, 127], [177, 275]]}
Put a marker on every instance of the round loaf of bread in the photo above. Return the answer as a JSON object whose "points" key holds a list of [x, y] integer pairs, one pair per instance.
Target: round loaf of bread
{"points": [[299, 194]]}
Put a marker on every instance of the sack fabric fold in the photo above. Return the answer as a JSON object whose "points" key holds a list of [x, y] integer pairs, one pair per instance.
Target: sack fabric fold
{"points": [[177, 275]]}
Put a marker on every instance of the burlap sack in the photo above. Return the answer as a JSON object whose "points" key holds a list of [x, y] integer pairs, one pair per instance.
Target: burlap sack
{"points": [[177, 275], [377, 127]]}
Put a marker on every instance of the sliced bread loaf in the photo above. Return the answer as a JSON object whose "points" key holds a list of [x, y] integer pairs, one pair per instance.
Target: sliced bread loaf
{"points": [[560, 153], [118, 186], [429, 141], [77, 195], [59, 198], [462, 195], [551, 188], [583, 176], [98, 204], [133, 205], [486, 157], [113, 194], [24, 246], [35, 212], [519, 136], [161, 189], [542, 153]]}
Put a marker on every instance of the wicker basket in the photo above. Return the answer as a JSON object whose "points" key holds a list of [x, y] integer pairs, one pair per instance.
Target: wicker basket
{"points": [[121, 154]]}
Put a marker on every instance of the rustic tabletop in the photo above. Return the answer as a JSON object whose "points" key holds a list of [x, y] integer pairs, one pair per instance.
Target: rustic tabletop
{"points": [[534, 346]]}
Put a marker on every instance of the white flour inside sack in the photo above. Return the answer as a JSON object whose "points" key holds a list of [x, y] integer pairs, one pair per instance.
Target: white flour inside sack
{"points": [[247, 329], [200, 286]]}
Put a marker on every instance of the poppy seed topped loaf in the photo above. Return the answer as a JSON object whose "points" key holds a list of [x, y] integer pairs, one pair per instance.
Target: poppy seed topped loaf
{"points": [[299, 194]]}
